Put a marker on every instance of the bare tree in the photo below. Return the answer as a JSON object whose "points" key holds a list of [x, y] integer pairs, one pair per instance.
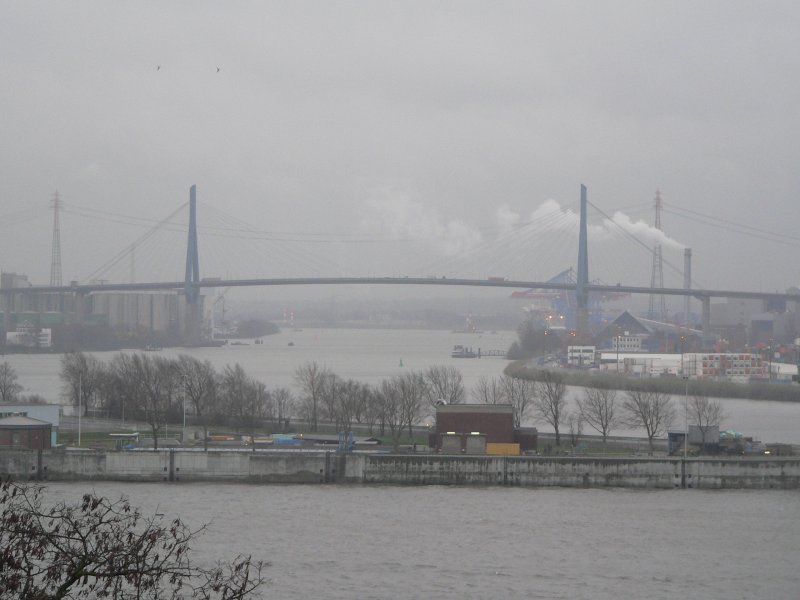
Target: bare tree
{"points": [[443, 383], [284, 406], [10, 387], [244, 398], [597, 408], [119, 387], [575, 425], [155, 381], [392, 409], [373, 409], [310, 377], [200, 383], [330, 397], [652, 411], [705, 414], [361, 396], [550, 400], [99, 548], [489, 390], [352, 399], [520, 394], [81, 375], [412, 393]]}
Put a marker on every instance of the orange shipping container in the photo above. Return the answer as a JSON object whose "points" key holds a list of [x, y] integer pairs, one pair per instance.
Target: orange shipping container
{"points": [[502, 449]]}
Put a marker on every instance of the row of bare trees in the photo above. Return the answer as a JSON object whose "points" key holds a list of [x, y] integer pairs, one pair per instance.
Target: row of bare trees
{"points": [[392, 407], [652, 411], [545, 400], [154, 389], [158, 390]]}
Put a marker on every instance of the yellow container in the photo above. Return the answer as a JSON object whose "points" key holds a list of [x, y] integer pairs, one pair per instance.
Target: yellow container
{"points": [[502, 449]]}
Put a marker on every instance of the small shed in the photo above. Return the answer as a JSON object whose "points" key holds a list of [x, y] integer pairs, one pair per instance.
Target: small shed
{"points": [[480, 429], [25, 433], [49, 413]]}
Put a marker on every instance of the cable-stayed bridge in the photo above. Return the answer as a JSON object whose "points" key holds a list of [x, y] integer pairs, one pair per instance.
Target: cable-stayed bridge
{"points": [[511, 246]]}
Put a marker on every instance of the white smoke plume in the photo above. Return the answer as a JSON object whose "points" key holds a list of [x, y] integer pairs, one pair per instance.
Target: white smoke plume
{"points": [[551, 216], [507, 219], [642, 231], [393, 214]]}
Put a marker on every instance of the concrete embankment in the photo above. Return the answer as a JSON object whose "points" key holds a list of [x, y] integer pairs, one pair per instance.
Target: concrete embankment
{"points": [[417, 469]]}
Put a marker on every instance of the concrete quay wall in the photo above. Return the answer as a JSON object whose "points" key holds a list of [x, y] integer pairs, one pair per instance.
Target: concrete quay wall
{"points": [[415, 469]]}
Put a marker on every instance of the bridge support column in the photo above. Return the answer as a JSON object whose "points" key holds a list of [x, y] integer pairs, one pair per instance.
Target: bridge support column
{"points": [[708, 339], [81, 302], [194, 322], [194, 304]]}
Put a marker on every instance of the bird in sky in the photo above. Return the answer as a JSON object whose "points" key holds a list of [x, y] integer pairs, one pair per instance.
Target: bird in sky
{"points": [[158, 68], [217, 69]]}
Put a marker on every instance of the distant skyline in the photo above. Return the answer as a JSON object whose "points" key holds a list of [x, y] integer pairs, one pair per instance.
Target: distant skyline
{"points": [[378, 138]]}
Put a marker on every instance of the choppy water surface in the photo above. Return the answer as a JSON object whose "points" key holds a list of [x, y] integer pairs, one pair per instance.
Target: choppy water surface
{"points": [[448, 542]]}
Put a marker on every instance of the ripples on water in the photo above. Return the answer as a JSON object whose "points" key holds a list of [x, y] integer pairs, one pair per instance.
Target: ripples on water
{"points": [[452, 542]]}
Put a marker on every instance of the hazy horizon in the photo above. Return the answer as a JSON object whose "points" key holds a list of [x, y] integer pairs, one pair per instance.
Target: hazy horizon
{"points": [[392, 139]]}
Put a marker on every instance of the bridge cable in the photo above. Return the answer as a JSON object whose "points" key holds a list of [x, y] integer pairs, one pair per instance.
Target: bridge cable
{"points": [[127, 250]]}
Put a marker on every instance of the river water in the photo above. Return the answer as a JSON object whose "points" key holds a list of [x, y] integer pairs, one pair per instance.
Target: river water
{"points": [[371, 355], [388, 542]]}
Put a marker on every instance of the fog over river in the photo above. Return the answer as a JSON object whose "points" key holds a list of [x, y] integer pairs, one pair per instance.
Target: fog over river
{"points": [[371, 355]]}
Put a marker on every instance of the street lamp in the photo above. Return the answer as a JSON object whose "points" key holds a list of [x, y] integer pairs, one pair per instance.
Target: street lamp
{"points": [[80, 407], [685, 415], [183, 433]]}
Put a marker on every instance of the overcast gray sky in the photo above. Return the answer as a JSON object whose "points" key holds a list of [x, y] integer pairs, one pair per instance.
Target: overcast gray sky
{"points": [[444, 124]]}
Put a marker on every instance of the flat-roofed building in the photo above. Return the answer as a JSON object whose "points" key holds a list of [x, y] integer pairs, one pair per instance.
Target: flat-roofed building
{"points": [[477, 428], [24, 433]]}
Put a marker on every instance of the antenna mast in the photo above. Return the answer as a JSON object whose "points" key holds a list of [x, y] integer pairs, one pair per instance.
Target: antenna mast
{"points": [[55, 260]]}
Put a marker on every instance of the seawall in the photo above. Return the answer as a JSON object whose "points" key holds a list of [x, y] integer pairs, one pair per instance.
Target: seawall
{"points": [[402, 469]]}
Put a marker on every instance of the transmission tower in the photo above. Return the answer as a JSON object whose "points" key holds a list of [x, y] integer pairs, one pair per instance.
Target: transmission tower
{"points": [[658, 305], [55, 261]]}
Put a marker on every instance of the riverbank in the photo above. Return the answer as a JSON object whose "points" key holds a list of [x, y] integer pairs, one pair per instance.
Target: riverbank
{"points": [[674, 386], [315, 467]]}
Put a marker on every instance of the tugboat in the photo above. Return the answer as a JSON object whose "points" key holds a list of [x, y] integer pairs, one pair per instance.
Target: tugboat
{"points": [[463, 352]]}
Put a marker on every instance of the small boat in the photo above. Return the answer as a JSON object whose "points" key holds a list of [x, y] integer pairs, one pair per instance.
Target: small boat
{"points": [[463, 352]]}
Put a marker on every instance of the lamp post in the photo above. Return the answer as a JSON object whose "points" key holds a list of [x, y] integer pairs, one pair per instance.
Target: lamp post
{"points": [[80, 407], [685, 414], [183, 432]]}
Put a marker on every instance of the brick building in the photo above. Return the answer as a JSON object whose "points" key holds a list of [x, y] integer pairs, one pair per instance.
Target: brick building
{"points": [[25, 433], [480, 429]]}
